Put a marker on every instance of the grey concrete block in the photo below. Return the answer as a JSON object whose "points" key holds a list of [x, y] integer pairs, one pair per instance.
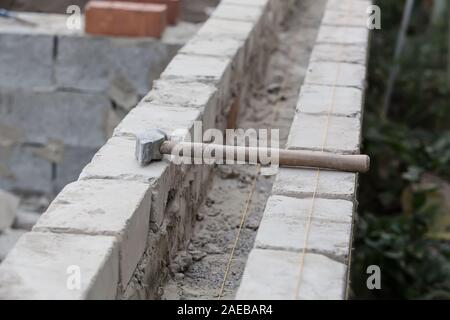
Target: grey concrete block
{"points": [[92, 63], [321, 133], [343, 101], [316, 225], [73, 118], [99, 207], [301, 183], [73, 161], [41, 265], [26, 61], [9, 204], [277, 275], [8, 238], [24, 170]]}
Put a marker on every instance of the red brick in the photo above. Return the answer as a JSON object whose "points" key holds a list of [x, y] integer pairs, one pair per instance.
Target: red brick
{"points": [[173, 8], [126, 19]]}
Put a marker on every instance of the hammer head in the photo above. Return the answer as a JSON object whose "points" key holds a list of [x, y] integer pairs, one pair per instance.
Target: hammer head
{"points": [[148, 146]]}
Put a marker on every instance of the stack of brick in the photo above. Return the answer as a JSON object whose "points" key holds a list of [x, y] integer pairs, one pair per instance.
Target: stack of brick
{"points": [[130, 18], [120, 224], [63, 92], [303, 246]]}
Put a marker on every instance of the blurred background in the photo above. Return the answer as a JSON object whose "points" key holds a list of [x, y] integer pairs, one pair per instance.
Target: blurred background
{"points": [[404, 211]]}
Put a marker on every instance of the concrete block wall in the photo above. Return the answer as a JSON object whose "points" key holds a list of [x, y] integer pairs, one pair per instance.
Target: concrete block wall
{"points": [[62, 92], [303, 246], [138, 218]]}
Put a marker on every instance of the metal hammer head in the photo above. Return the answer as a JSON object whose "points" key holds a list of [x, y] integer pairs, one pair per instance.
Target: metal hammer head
{"points": [[148, 146]]}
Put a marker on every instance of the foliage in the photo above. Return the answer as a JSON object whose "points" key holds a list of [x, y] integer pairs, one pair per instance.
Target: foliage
{"points": [[397, 211]]}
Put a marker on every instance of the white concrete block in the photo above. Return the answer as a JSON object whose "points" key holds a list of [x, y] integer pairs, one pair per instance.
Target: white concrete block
{"points": [[151, 116], [259, 3], [41, 265], [277, 275], [9, 204], [342, 101], [333, 134], [336, 74], [104, 207], [230, 11], [343, 35], [238, 30], [196, 95], [116, 161], [286, 221], [189, 68], [213, 46], [346, 18], [71, 117], [339, 53], [301, 183], [26, 61], [219, 46], [358, 7]]}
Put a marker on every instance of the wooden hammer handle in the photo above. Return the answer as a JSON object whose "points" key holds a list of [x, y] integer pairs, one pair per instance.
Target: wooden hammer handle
{"points": [[287, 158]]}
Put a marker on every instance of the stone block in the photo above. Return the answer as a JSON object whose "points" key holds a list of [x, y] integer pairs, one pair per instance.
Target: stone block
{"points": [[44, 266], [358, 7], [346, 18], [151, 116], [104, 207], [316, 225], [229, 11], [8, 238], [196, 95], [116, 161], [22, 169], [74, 159], [336, 74], [301, 183], [93, 63], [339, 53], [343, 35], [68, 117], [26, 60], [342, 101], [277, 275], [322, 133], [9, 204]]}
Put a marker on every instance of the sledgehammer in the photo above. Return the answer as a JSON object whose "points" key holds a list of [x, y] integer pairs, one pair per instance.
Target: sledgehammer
{"points": [[154, 144]]}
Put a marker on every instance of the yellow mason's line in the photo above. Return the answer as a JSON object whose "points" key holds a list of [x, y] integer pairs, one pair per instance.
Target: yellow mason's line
{"points": [[324, 143]]}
